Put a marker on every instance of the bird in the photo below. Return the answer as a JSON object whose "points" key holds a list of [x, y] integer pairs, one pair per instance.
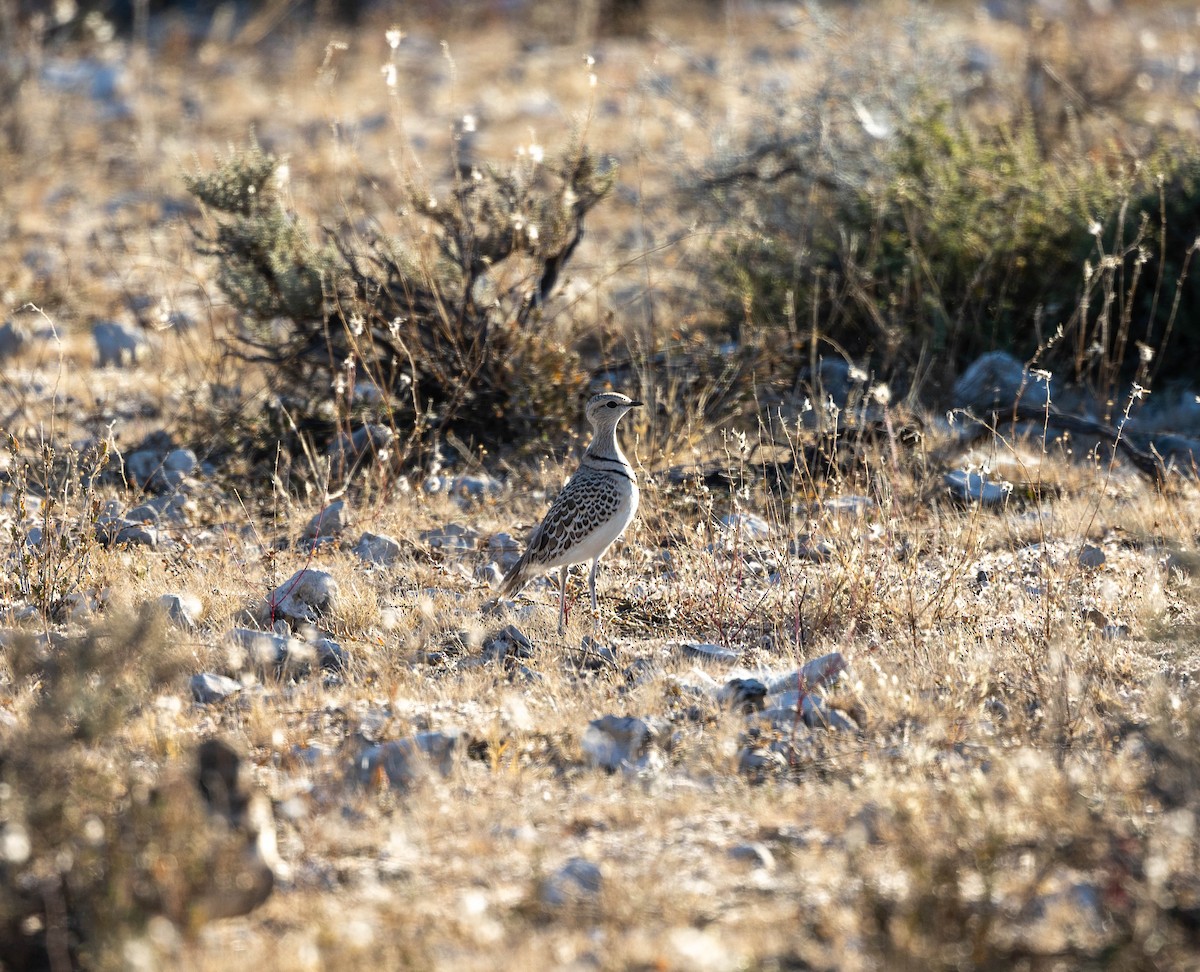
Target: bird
{"points": [[590, 513]]}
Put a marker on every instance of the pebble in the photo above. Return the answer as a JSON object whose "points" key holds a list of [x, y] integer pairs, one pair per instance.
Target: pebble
{"points": [[756, 854], [184, 610], [118, 531], [159, 470], [710, 653], [1091, 556], [500, 543], [760, 762], [820, 671], [208, 687], [749, 526], [377, 548], [181, 460], [327, 523], [453, 536], [470, 487], [118, 344], [405, 761], [489, 574], [171, 507], [744, 694], [612, 742], [509, 642], [596, 657], [13, 339], [975, 488], [282, 655], [810, 550], [369, 438], [854, 505], [578, 879], [814, 713], [303, 598]]}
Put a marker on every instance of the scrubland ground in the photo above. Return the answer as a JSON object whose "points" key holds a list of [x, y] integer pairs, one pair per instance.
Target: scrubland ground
{"points": [[999, 767]]}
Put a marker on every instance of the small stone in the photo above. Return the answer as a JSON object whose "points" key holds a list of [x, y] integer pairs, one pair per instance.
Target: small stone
{"points": [[327, 523], [743, 694], [157, 508], [489, 574], [817, 672], [758, 762], [995, 380], [266, 651], [578, 879], [180, 460], [208, 687], [453, 536], [119, 531], [813, 712], [13, 339], [143, 465], [500, 543], [613, 742], [469, 487], [405, 761], [117, 344], [756, 854], [749, 526], [184, 610], [331, 657], [303, 598], [596, 657], [509, 642], [370, 439], [853, 505], [811, 550], [378, 548], [710, 653], [975, 488], [1091, 557]]}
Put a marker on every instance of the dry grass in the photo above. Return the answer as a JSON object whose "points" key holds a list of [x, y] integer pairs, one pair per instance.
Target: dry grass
{"points": [[1021, 786]]}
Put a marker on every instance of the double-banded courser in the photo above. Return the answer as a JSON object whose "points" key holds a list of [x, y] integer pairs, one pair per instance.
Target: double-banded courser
{"points": [[590, 513]]}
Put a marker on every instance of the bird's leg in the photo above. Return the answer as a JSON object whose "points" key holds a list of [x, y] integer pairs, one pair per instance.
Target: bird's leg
{"points": [[562, 599], [592, 585]]}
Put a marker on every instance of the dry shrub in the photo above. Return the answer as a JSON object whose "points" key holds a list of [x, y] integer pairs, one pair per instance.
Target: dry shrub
{"points": [[448, 323]]}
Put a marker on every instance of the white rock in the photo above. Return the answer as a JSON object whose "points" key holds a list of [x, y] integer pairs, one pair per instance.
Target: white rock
{"points": [[184, 610], [118, 344], [302, 598], [327, 522], [377, 548], [749, 526], [208, 687], [975, 488], [404, 761], [576, 880], [613, 742]]}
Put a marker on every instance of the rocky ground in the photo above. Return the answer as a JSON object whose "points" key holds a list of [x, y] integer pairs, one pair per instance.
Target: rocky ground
{"points": [[916, 701]]}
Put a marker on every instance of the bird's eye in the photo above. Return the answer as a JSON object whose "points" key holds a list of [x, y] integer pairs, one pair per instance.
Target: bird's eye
{"points": [[612, 404]]}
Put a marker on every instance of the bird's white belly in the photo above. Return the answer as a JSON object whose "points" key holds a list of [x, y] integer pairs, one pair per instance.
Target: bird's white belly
{"points": [[604, 535]]}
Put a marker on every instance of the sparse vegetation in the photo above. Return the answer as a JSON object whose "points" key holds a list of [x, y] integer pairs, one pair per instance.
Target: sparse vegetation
{"points": [[874, 723]]}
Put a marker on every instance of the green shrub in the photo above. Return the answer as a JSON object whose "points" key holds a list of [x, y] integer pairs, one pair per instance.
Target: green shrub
{"points": [[958, 239]]}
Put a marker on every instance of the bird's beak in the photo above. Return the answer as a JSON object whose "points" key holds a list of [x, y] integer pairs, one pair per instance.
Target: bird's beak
{"points": [[632, 404]]}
